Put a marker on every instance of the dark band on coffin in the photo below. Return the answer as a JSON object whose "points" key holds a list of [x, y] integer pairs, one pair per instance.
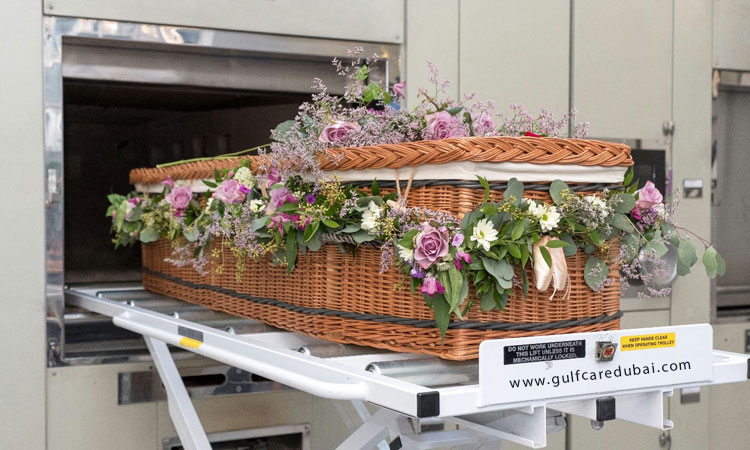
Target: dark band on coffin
{"points": [[466, 324], [542, 187]]}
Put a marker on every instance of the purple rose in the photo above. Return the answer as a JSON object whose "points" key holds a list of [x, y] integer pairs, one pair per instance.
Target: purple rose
{"points": [[483, 124], [279, 196], [636, 213], [648, 196], [168, 182], [337, 131], [229, 192], [458, 239], [179, 198], [273, 177], [461, 257], [432, 286], [398, 89], [430, 245], [441, 125]]}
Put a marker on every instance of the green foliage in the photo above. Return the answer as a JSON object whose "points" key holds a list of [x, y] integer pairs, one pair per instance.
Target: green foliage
{"points": [[595, 272], [556, 189]]}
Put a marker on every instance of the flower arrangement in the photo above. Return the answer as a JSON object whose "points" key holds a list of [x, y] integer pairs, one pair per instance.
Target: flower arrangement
{"points": [[453, 262]]}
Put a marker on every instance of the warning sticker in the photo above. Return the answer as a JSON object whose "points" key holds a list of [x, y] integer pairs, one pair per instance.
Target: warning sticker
{"points": [[544, 351], [647, 341]]}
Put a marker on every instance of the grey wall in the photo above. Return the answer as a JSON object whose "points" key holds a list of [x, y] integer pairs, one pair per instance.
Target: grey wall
{"points": [[22, 334]]}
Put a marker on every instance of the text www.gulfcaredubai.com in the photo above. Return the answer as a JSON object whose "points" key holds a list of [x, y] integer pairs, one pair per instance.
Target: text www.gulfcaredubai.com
{"points": [[578, 376]]}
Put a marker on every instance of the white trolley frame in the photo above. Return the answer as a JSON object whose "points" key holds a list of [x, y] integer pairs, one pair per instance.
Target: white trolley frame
{"points": [[482, 419]]}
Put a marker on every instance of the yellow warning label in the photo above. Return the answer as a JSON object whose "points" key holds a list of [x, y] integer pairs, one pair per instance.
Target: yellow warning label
{"points": [[192, 343], [647, 341]]}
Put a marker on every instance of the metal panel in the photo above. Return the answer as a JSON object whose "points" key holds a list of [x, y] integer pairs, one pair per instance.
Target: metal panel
{"points": [[731, 34], [359, 20], [622, 66], [22, 377], [516, 52], [728, 408]]}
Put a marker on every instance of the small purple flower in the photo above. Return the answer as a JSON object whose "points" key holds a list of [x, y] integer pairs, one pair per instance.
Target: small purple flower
{"points": [[168, 181], [461, 256], [229, 192], [398, 89], [279, 220], [431, 286], [458, 239], [440, 125], [430, 245], [483, 124], [636, 213], [416, 272], [273, 177], [179, 198], [337, 131], [442, 229], [244, 189], [135, 200], [279, 196], [310, 199]]}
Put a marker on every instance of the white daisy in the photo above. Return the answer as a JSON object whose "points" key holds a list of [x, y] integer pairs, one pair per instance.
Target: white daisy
{"points": [[484, 234]]}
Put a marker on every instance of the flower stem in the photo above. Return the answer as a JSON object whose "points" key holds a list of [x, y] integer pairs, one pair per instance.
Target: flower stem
{"points": [[703, 241], [211, 158]]}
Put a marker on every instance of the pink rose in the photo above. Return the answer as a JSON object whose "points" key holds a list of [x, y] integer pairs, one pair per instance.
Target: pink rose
{"points": [[337, 131], [398, 89], [168, 181], [430, 245], [432, 286], [229, 192], [648, 196], [441, 125], [483, 124], [180, 198], [279, 196], [636, 213]]}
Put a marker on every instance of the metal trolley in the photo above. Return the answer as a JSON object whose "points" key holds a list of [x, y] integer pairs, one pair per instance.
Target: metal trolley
{"points": [[519, 390]]}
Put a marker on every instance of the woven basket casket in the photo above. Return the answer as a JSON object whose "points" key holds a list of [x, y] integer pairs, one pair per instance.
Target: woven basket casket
{"points": [[343, 297]]}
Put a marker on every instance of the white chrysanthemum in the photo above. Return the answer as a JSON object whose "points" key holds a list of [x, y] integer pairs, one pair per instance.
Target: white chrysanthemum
{"points": [[547, 215], [404, 253], [600, 206], [245, 177], [484, 234], [256, 205], [370, 218]]}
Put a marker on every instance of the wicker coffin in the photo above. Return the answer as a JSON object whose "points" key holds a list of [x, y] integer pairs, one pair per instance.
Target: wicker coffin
{"points": [[342, 297]]}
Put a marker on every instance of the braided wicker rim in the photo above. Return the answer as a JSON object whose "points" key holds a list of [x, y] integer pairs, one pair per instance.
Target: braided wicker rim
{"points": [[583, 152]]}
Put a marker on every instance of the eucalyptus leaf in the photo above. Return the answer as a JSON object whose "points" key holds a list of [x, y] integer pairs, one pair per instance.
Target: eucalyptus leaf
{"points": [[363, 236], [487, 302], [260, 222], [682, 269], [555, 191], [571, 249], [455, 110], [515, 190], [149, 234], [622, 222], [686, 253], [721, 265], [558, 244], [710, 262], [596, 238], [283, 129], [595, 273], [501, 271], [191, 233], [624, 203], [116, 199], [351, 228], [314, 243], [658, 248]]}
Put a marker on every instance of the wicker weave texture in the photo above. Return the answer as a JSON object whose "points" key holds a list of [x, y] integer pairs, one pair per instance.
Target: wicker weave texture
{"points": [[584, 152], [336, 280]]}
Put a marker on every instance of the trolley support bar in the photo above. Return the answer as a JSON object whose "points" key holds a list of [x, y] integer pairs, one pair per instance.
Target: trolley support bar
{"points": [[181, 410]]}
